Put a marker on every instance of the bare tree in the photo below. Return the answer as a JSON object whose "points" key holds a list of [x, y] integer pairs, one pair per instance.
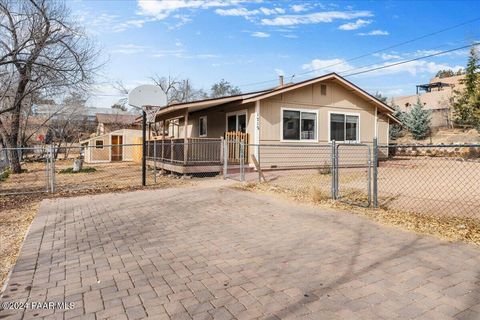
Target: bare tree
{"points": [[178, 90], [42, 50], [223, 88], [122, 103]]}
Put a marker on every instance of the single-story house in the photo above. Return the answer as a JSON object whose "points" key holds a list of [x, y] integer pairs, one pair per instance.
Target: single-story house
{"points": [[312, 112], [113, 146]]}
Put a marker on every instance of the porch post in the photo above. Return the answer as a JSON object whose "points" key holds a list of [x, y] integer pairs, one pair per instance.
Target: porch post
{"points": [[256, 135], [185, 138], [163, 144]]}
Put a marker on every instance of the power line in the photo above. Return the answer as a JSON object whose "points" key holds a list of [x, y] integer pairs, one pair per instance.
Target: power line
{"points": [[411, 60], [396, 58], [370, 53], [393, 46]]}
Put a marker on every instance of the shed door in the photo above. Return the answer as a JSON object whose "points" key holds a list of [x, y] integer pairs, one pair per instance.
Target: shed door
{"points": [[117, 148]]}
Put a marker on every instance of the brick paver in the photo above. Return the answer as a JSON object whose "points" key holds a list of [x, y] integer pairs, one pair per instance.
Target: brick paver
{"points": [[216, 253]]}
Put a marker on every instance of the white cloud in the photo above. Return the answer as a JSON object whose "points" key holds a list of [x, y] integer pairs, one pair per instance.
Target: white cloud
{"points": [[339, 65], [299, 7], [414, 68], [260, 34], [386, 56], [317, 17], [421, 53], [320, 66], [128, 49], [279, 72], [161, 9], [182, 54], [355, 25], [268, 11], [242, 12], [290, 36], [375, 33]]}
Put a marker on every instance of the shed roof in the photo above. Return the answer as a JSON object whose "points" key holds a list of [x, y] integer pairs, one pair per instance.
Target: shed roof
{"points": [[115, 118]]}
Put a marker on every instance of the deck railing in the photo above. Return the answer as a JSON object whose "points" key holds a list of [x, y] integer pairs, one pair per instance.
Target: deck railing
{"points": [[195, 151]]}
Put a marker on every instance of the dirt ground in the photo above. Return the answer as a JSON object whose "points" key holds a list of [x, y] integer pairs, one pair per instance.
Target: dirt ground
{"points": [[107, 175], [442, 186]]}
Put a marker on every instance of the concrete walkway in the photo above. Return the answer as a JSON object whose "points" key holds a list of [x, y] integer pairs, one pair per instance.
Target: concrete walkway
{"points": [[216, 253]]}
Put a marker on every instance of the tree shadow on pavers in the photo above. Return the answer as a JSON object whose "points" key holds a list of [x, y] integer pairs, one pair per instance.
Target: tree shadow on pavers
{"points": [[349, 274], [471, 299]]}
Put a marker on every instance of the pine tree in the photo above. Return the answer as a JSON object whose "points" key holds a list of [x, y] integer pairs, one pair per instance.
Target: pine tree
{"points": [[396, 130], [471, 73], [466, 104], [418, 121]]}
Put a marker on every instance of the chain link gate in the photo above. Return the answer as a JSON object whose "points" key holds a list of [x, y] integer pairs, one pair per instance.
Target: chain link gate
{"points": [[38, 171], [352, 173], [234, 159]]}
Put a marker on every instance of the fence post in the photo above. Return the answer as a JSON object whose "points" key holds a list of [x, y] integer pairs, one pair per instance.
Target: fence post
{"points": [[225, 158], [47, 169], [52, 170], [334, 173], [375, 173], [154, 161], [242, 161]]}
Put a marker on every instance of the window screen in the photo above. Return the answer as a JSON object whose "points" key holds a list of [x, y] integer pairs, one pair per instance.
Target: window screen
{"points": [[299, 125], [202, 126], [351, 128], [343, 127], [337, 127], [291, 125], [308, 125]]}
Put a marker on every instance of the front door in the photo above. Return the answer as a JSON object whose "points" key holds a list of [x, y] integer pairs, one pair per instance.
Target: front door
{"points": [[237, 122], [117, 148]]}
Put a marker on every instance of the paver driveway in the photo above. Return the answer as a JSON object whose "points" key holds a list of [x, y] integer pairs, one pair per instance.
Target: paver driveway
{"points": [[212, 252]]}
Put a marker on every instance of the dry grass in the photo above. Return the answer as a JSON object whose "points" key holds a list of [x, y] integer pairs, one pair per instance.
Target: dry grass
{"points": [[14, 222], [443, 226]]}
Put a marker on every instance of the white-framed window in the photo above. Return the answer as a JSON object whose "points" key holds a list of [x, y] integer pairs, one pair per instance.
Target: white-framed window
{"points": [[202, 126], [299, 125], [236, 121], [344, 127], [99, 144]]}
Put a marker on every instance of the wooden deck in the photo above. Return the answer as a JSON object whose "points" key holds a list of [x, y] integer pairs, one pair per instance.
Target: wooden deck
{"points": [[194, 155]]}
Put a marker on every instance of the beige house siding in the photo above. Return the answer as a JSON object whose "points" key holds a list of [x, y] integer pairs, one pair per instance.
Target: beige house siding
{"points": [[217, 120], [337, 100]]}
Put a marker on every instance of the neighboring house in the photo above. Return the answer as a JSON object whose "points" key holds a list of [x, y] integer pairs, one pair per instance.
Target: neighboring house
{"points": [[107, 122], [311, 112], [112, 146], [436, 97]]}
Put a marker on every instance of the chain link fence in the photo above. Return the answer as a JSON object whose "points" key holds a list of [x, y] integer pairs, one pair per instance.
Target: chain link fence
{"points": [[430, 179], [442, 180], [72, 169]]}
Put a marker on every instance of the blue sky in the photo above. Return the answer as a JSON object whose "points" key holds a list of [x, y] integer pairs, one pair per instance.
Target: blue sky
{"points": [[247, 42]]}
